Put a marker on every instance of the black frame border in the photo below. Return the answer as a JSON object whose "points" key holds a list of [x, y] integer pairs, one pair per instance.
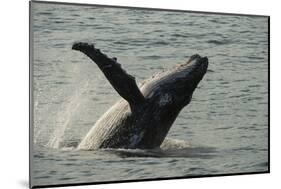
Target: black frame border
{"points": [[133, 180]]}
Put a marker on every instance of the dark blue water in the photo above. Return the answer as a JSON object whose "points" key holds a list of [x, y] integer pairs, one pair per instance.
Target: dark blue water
{"points": [[223, 130]]}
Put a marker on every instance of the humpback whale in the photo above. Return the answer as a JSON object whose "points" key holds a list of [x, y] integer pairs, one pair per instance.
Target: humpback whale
{"points": [[144, 115]]}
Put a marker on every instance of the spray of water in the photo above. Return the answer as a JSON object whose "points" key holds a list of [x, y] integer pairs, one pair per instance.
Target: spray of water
{"points": [[64, 117]]}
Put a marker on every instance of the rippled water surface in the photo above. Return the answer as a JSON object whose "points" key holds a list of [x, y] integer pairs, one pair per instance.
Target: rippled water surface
{"points": [[223, 130]]}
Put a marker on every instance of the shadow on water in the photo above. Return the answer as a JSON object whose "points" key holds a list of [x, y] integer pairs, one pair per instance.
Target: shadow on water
{"points": [[169, 148], [188, 152]]}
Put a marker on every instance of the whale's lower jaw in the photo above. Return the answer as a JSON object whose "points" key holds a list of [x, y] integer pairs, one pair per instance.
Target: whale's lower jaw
{"points": [[144, 116]]}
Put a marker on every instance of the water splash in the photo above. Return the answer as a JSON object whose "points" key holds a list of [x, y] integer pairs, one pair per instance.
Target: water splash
{"points": [[64, 117], [170, 143]]}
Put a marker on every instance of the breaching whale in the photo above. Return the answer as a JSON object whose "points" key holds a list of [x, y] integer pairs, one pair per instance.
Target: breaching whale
{"points": [[144, 116]]}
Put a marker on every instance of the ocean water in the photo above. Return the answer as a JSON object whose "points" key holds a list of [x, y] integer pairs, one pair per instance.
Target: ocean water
{"points": [[223, 130]]}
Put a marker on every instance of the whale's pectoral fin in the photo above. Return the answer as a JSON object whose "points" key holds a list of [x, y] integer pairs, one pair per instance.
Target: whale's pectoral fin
{"points": [[122, 82]]}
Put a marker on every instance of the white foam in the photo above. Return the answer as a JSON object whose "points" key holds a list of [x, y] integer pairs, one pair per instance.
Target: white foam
{"points": [[64, 117]]}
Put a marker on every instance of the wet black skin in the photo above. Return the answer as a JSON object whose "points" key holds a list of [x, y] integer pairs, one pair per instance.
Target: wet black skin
{"points": [[144, 116]]}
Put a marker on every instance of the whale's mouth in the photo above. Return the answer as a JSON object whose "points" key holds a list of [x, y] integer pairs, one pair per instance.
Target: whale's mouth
{"points": [[191, 72], [197, 62], [180, 80]]}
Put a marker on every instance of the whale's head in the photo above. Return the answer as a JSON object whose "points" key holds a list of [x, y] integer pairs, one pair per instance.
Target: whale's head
{"points": [[176, 86]]}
